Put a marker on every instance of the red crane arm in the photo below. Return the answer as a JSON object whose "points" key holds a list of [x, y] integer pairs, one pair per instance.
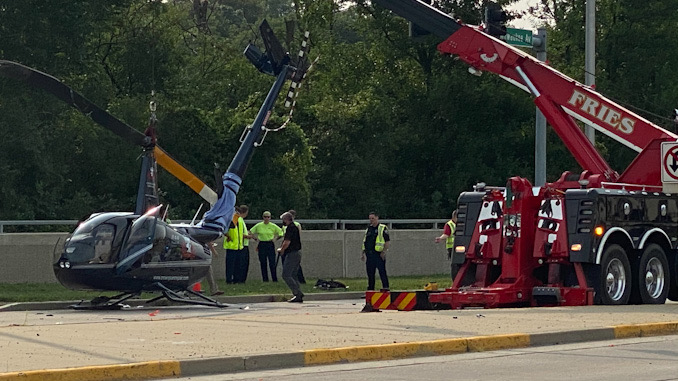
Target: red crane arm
{"points": [[560, 98], [487, 53]]}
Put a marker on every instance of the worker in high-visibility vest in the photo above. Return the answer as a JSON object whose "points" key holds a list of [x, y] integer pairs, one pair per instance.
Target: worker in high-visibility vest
{"points": [[448, 237], [242, 265], [375, 246], [233, 243]]}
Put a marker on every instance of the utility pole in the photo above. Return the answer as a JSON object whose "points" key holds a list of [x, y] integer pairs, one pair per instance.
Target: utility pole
{"points": [[590, 57], [539, 46]]}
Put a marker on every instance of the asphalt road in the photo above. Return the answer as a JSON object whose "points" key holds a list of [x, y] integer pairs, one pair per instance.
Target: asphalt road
{"points": [[37, 340], [629, 359]]}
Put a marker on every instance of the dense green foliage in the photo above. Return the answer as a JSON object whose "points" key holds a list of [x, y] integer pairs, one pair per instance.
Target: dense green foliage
{"points": [[383, 123]]}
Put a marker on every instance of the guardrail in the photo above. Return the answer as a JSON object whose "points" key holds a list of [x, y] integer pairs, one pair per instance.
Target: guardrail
{"points": [[310, 224]]}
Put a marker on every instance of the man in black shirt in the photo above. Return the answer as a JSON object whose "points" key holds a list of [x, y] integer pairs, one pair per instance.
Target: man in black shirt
{"points": [[291, 251]]}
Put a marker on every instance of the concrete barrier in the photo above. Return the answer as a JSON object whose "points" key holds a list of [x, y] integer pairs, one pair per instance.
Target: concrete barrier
{"points": [[28, 257]]}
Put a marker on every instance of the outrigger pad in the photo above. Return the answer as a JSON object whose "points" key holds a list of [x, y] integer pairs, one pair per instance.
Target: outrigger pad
{"points": [[368, 308]]}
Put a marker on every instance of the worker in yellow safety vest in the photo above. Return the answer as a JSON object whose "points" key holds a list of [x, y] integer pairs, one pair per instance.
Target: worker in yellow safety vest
{"points": [[448, 237], [233, 243], [375, 245], [242, 262]]}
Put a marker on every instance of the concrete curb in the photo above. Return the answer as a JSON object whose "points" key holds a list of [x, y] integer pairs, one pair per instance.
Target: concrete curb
{"points": [[242, 299], [200, 367]]}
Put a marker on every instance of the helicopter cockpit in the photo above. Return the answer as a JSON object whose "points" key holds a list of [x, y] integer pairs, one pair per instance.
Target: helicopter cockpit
{"points": [[122, 239], [95, 241]]}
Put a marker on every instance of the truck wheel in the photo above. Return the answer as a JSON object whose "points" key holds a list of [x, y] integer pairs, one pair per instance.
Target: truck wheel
{"points": [[614, 283], [653, 275]]}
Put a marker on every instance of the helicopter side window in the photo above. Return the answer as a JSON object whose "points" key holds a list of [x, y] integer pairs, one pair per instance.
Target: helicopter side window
{"points": [[172, 248], [180, 248], [160, 245], [103, 242]]}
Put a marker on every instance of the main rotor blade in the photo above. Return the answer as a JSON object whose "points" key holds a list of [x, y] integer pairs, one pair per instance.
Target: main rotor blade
{"points": [[60, 90], [181, 173], [57, 88]]}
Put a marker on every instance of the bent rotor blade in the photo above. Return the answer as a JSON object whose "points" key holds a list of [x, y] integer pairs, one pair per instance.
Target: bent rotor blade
{"points": [[274, 50], [57, 88], [299, 73]]}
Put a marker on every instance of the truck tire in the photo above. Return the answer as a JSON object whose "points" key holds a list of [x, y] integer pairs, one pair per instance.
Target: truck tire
{"points": [[653, 276], [613, 286]]}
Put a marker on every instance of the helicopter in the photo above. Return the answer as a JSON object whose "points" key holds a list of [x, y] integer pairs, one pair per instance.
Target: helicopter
{"points": [[140, 251]]}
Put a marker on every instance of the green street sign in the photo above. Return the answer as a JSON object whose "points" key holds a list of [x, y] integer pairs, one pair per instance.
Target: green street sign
{"points": [[518, 37]]}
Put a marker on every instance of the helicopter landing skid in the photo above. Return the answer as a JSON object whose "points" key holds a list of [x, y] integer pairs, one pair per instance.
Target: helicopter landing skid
{"points": [[175, 297], [104, 302]]}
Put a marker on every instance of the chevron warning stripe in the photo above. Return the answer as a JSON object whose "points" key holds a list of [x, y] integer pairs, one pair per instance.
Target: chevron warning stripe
{"points": [[400, 300], [380, 300], [404, 301]]}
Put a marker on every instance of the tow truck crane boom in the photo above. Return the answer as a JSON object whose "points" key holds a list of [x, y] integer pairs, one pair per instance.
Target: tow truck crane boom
{"points": [[560, 98], [594, 237]]}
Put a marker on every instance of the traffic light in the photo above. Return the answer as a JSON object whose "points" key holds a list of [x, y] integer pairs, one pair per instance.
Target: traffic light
{"points": [[495, 20]]}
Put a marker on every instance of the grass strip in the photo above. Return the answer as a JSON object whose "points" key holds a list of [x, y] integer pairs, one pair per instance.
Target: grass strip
{"points": [[43, 292]]}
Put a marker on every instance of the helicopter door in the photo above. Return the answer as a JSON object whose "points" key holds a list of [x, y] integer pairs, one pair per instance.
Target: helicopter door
{"points": [[139, 241]]}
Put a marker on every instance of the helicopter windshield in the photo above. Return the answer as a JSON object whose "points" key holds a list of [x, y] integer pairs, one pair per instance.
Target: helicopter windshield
{"points": [[92, 240]]}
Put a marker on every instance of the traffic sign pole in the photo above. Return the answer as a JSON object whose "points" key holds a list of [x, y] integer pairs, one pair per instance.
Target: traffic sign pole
{"points": [[539, 45], [523, 38], [669, 167]]}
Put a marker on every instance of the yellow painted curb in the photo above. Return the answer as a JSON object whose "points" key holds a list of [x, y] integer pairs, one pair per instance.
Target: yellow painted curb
{"points": [[421, 348], [136, 371], [646, 329], [445, 347], [490, 343], [360, 353]]}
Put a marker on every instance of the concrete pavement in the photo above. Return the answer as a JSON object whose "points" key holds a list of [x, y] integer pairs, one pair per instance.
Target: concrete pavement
{"points": [[146, 343]]}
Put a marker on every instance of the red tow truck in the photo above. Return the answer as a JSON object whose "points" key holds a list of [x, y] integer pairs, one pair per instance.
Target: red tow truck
{"points": [[590, 237]]}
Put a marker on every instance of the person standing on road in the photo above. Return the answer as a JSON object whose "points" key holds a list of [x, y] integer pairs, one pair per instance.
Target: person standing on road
{"points": [[448, 237], [267, 232], [291, 252], [300, 274], [375, 246], [243, 261], [232, 244], [214, 287]]}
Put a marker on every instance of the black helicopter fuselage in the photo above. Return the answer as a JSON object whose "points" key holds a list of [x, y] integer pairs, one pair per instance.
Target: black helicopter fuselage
{"points": [[126, 252]]}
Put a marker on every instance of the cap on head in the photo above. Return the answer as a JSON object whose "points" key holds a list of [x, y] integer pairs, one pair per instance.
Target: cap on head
{"points": [[287, 216], [266, 214]]}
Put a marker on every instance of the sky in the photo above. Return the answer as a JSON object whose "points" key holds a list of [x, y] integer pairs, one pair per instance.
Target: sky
{"points": [[527, 22]]}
